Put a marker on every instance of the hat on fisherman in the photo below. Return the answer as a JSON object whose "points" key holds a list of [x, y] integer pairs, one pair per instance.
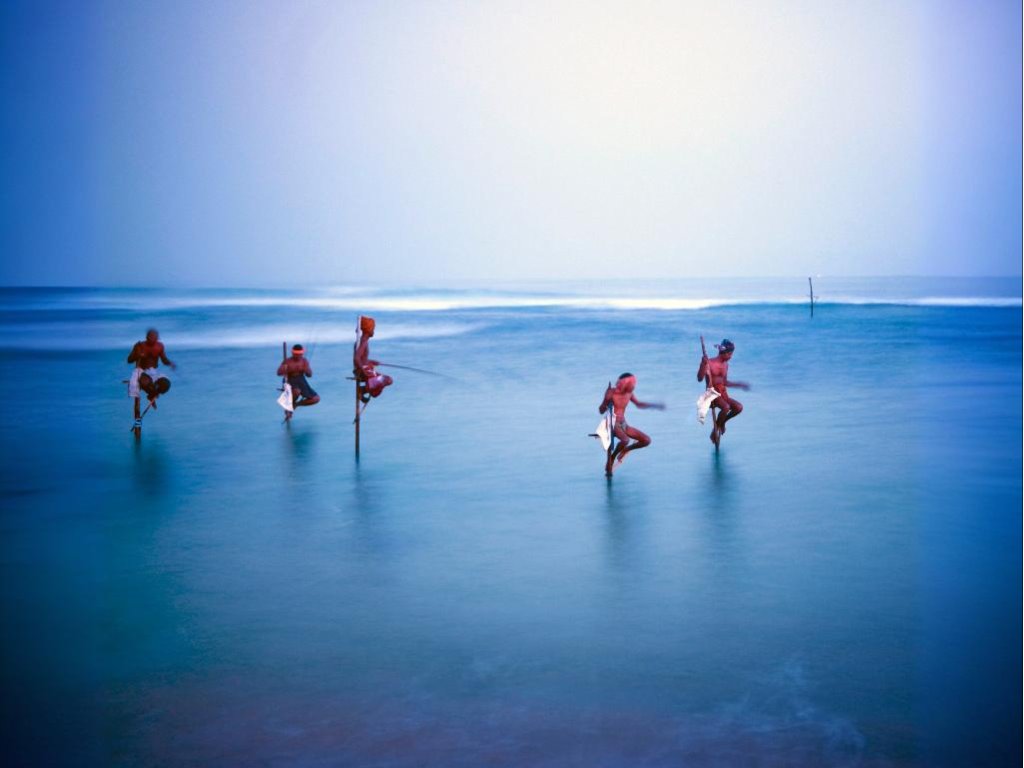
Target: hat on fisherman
{"points": [[726, 346], [367, 324]]}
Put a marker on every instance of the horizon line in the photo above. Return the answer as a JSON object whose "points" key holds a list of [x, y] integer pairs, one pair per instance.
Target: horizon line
{"points": [[482, 283]]}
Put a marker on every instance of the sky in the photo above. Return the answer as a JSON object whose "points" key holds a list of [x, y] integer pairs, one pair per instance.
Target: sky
{"points": [[303, 143]]}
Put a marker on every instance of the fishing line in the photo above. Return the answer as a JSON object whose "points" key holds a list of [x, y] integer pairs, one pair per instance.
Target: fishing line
{"points": [[418, 370]]}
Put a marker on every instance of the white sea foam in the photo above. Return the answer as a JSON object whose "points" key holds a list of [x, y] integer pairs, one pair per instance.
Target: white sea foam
{"points": [[274, 334], [924, 301], [352, 302], [111, 335], [966, 301]]}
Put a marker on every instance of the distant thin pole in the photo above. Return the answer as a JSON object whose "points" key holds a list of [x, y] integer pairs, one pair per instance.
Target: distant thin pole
{"points": [[810, 285]]}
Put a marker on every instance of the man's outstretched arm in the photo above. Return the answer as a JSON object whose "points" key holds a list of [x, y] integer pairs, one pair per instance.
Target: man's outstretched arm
{"points": [[643, 406]]}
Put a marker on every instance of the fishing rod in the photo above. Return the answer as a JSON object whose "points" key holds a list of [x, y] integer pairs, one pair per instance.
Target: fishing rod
{"points": [[417, 370]]}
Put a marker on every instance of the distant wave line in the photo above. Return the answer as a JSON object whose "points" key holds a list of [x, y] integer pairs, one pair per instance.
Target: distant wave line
{"points": [[54, 336], [468, 303]]}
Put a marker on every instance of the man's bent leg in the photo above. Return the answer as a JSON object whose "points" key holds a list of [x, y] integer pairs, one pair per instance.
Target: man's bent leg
{"points": [[148, 386], [640, 440], [724, 405], [735, 409], [378, 383]]}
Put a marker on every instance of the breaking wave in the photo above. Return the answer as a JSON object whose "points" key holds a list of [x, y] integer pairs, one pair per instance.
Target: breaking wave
{"points": [[352, 302], [102, 336]]}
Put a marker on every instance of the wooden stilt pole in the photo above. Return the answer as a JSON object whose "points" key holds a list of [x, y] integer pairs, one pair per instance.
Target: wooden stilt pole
{"points": [[707, 382], [137, 429], [610, 417], [284, 380], [355, 376], [810, 285], [714, 419]]}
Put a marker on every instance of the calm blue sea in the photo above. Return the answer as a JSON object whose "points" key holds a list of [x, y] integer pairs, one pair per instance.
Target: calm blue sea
{"points": [[840, 586]]}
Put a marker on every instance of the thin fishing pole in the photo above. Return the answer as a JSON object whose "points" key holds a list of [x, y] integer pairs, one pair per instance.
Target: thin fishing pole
{"points": [[417, 370]]}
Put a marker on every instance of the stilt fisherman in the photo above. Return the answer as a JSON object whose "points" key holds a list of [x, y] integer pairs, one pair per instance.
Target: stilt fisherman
{"points": [[370, 382], [296, 369], [147, 356], [715, 371], [630, 438]]}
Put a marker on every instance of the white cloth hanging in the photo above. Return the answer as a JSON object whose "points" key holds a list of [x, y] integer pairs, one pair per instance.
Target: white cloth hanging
{"points": [[704, 403], [285, 400], [604, 434]]}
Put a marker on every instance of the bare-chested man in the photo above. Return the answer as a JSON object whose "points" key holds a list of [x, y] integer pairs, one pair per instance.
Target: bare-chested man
{"points": [[717, 368], [371, 383], [147, 356], [295, 369], [617, 398]]}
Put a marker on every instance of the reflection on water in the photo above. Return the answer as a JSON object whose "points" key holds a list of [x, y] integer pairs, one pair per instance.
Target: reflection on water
{"points": [[151, 467], [721, 481], [300, 442], [721, 512], [366, 509], [621, 522]]}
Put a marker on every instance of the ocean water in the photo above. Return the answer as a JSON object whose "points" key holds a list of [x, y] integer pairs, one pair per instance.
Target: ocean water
{"points": [[841, 585]]}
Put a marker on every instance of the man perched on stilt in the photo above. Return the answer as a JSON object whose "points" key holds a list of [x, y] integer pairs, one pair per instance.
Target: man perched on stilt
{"points": [[295, 370], [147, 356], [630, 438], [716, 371], [370, 383]]}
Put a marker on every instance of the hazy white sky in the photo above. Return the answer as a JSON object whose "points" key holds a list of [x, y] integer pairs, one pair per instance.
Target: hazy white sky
{"points": [[294, 142]]}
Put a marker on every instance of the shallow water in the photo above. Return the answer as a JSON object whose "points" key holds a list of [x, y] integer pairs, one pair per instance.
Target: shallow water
{"points": [[840, 586]]}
